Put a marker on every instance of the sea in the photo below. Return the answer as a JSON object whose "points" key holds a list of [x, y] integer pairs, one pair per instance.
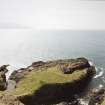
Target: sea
{"points": [[21, 47]]}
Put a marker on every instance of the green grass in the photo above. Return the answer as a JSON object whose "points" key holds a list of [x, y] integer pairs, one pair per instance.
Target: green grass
{"points": [[36, 79], [103, 103]]}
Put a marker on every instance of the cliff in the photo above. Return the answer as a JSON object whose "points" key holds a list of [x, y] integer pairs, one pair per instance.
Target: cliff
{"points": [[49, 83]]}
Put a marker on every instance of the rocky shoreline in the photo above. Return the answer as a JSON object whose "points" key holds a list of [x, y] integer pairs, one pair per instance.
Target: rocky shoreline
{"points": [[55, 93]]}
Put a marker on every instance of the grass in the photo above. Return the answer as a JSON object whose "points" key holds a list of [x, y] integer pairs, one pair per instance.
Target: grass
{"points": [[36, 79], [103, 103]]}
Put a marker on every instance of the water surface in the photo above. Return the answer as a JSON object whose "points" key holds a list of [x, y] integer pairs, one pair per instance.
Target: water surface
{"points": [[20, 48]]}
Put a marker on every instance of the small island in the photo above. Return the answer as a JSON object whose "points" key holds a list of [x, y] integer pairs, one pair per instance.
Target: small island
{"points": [[56, 82]]}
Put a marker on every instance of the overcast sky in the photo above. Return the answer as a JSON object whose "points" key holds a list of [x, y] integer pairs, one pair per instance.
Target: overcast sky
{"points": [[53, 14]]}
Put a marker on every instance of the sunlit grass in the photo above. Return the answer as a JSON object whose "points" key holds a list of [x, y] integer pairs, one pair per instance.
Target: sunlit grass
{"points": [[36, 79], [103, 103]]}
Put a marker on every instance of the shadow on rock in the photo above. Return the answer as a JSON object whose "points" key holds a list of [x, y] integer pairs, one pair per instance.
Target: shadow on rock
{"points": [[50, 94]]}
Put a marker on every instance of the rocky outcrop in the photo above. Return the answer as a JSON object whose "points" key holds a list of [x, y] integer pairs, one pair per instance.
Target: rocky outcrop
{"points": [[3, 82], [67, 66], [55, 93], [17, 75], [76, 64], [37, 64], [51, 94]]}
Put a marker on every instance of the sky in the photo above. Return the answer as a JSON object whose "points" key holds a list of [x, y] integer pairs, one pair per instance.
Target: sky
{"points": [[52, 14]]}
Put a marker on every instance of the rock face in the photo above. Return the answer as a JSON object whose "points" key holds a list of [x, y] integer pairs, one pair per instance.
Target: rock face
{"points": [[3, 83], [37, 64], [76, 64]]}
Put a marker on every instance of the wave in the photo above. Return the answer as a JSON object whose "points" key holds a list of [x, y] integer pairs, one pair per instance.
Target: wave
{"points": [[101, 72], [12, 68], [100, 86], [83, 102], [91, 63], [10, 71]]}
